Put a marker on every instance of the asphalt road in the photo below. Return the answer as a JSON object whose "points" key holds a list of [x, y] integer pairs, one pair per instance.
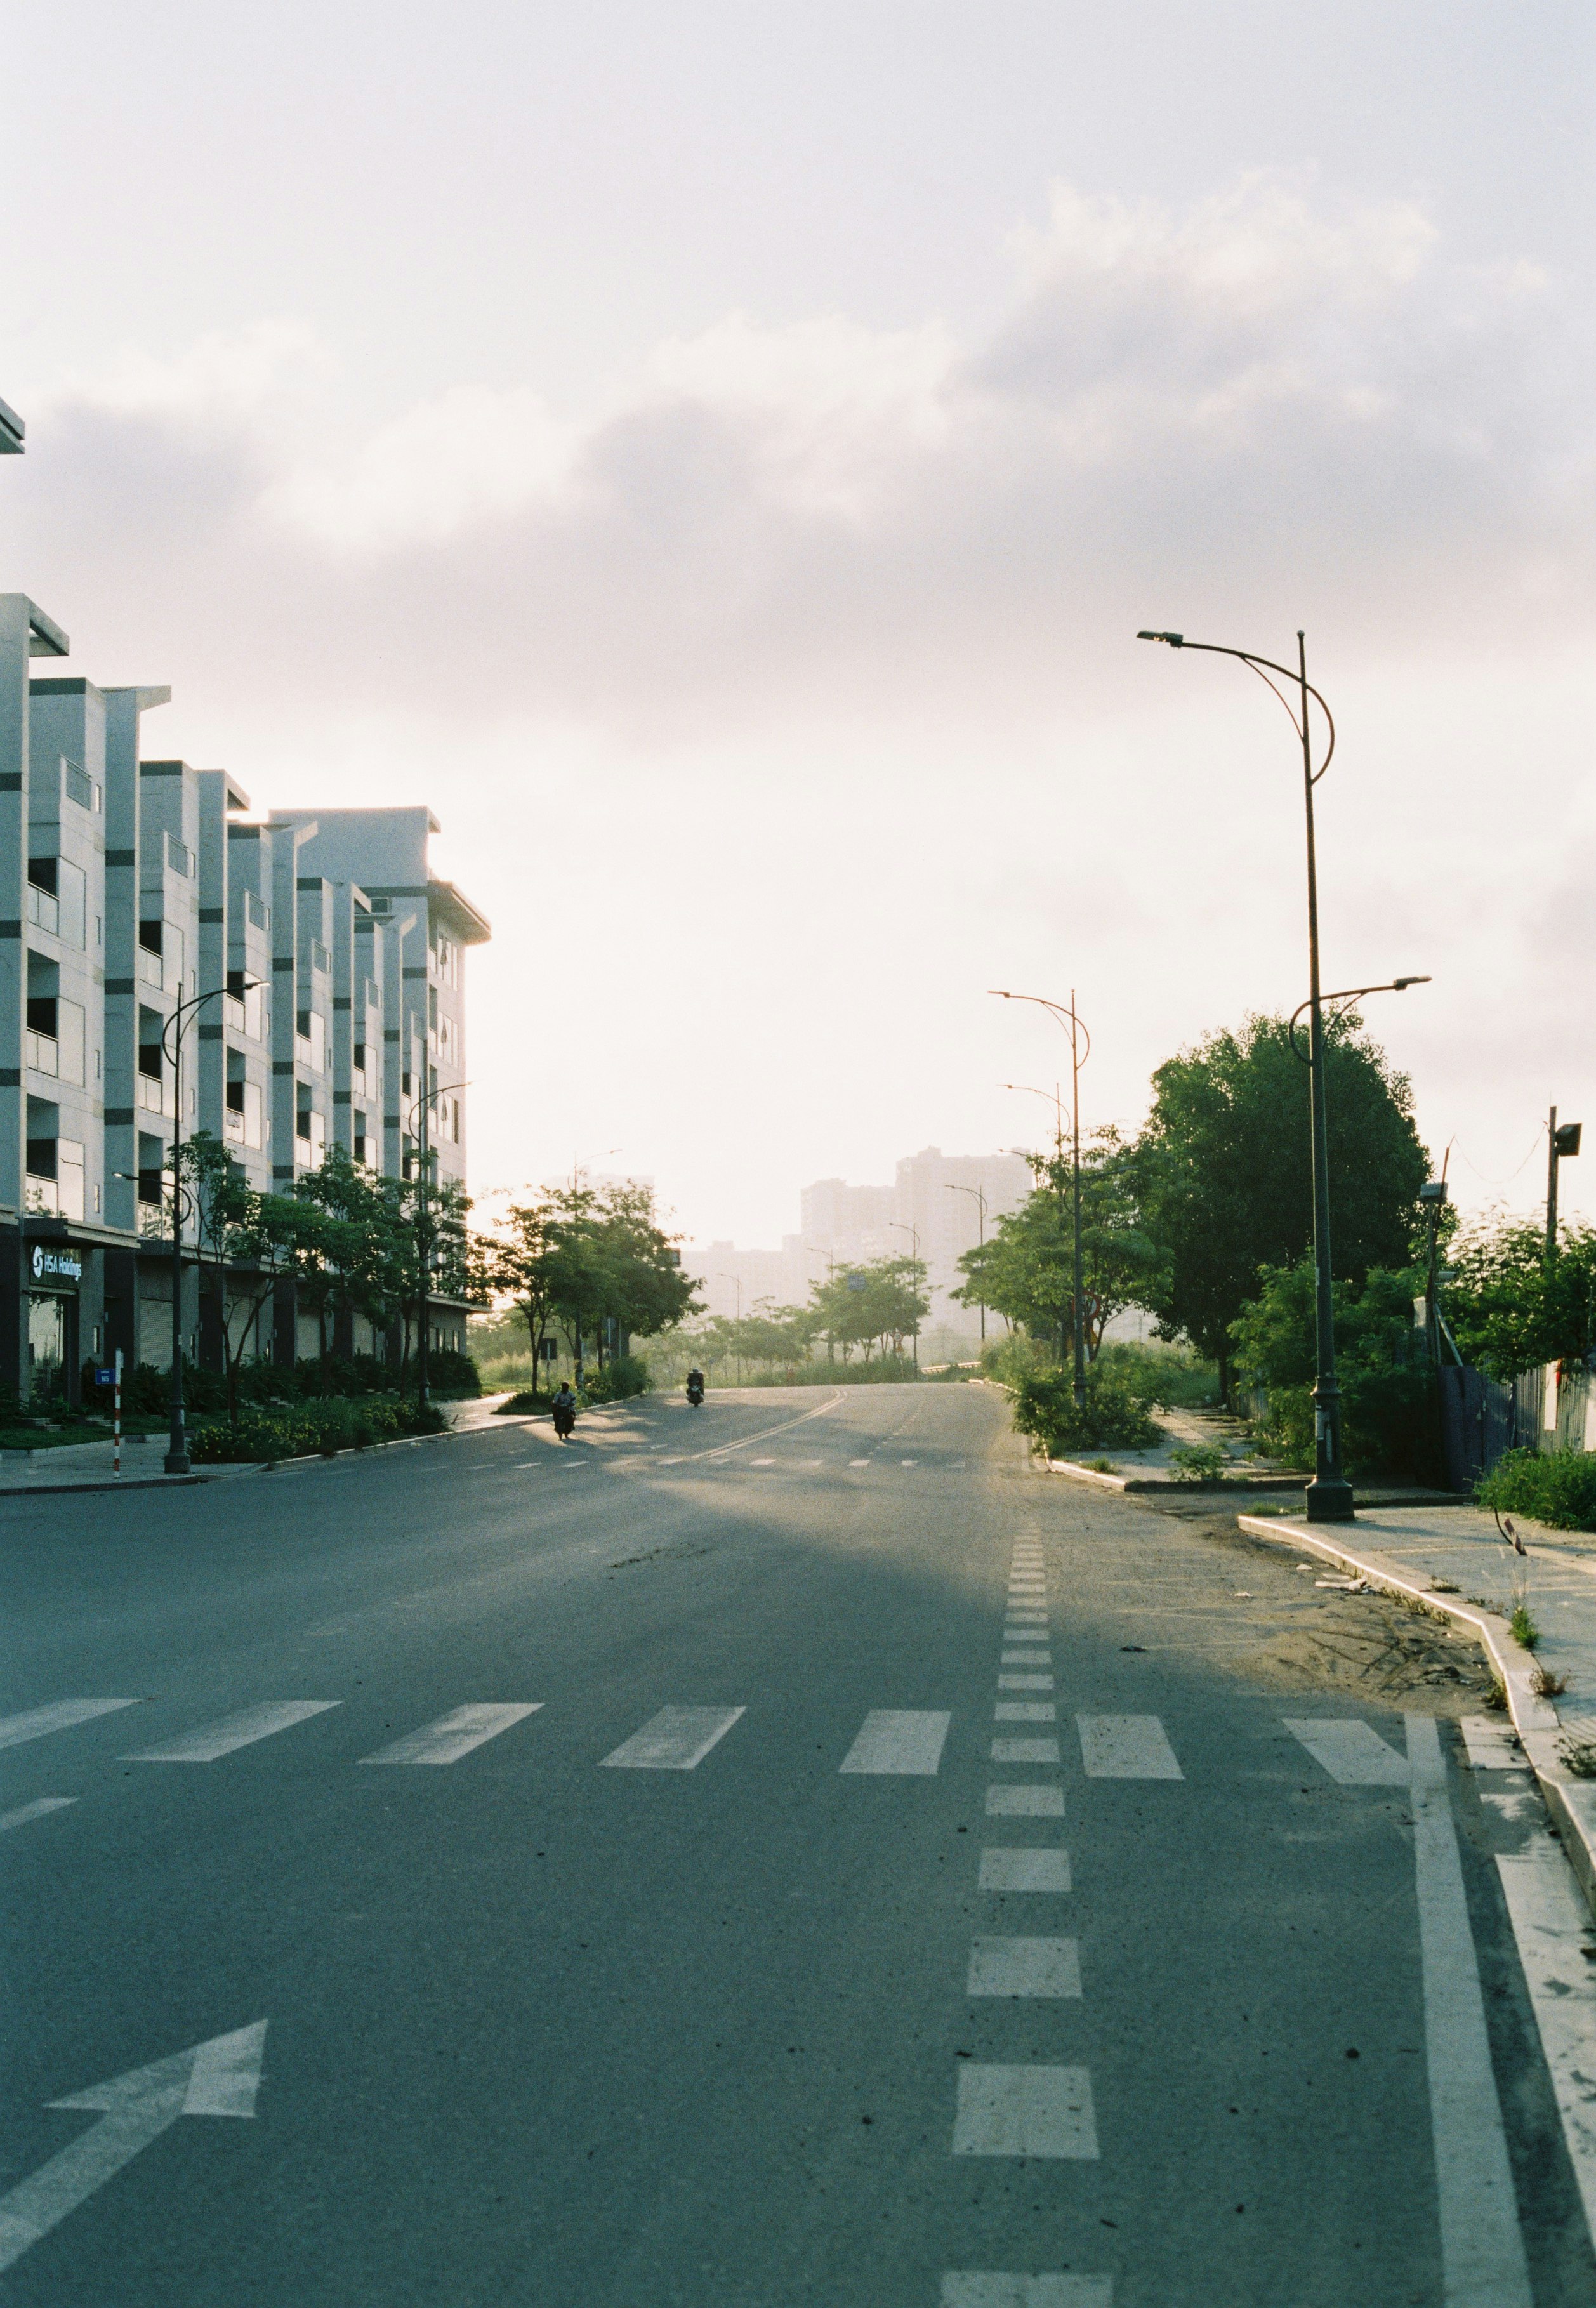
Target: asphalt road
{"points": [[1111, 1987]]}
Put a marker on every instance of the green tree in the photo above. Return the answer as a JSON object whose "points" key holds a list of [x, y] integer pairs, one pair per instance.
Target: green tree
{"points": [[243, 1240], [1225, 1177], [1387, 1381], [1025, 1271], [1510, 1308], [877, 1304]]}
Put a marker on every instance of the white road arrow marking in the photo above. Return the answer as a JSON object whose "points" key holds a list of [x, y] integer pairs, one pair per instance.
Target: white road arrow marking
{"points": [[218, 2078]]}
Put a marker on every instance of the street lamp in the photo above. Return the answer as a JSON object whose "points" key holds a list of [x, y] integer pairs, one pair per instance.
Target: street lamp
{"points": [[177, 1460], [1329, 1496], [1077, 1031], [1562, 1143], [979, 1193], [422, 1103], [913, 1232], [736, 1281]]}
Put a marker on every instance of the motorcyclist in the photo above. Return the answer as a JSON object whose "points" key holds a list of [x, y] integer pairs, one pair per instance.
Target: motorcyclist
{"points": [[565, 1410], [695, 1384]]}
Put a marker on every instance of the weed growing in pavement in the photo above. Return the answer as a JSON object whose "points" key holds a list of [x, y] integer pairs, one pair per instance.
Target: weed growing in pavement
{"points": [[1442, 1587], [1523, 1627], [1578, 1756], [1199, 1462], [1545, 1684], [1099, 1465], [1495, 1698]]}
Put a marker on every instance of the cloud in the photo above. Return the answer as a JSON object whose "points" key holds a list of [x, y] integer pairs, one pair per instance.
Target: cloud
{"points": [[1271, 395]]}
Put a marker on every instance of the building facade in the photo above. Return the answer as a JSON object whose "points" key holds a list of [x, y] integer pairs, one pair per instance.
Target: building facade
{"points": [[327, 963]]}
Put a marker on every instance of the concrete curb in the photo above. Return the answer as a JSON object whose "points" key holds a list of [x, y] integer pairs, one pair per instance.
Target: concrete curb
{"points": [[1571, 1802], [1231, 1483]]}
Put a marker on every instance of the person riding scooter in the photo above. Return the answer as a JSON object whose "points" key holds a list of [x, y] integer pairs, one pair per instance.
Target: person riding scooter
{"points": [[696, 1387], [565, 1411]]}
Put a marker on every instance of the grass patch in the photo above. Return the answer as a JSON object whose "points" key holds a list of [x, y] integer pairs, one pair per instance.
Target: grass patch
{"points": [[1524, 1628], [1200, 1462]]}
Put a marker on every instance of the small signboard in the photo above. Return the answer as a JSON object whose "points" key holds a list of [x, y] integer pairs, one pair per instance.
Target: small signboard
{"points": [[104, 1378]]}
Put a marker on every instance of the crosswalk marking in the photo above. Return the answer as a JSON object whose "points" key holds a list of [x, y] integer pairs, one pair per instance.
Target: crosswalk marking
{"points": [[40, 1808], [1491, 1746], [987, 2287], [1010, 1868], [1024, 1751], [677, 1739], [37, 1722], [1036, 1802], [213, 1740], [1351, 1751], [1024, 1683], [1026, 1659], [1024, 1710], [1029, 2111], [455, 1735], [903, 1741], [1125, 1747], [1019, 1967]]}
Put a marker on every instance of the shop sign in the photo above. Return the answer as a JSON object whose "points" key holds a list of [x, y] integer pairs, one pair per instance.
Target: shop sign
{"points": [[56, 1265]]}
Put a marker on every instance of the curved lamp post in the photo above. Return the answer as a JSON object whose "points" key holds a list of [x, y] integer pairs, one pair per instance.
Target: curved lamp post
{"points": [[177, 1460], [980, 1194], [1329, 1496], [1074, 1027], [913, 1233]]}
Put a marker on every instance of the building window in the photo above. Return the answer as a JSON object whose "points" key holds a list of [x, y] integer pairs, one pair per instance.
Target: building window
{"points": [[312, 1031]]}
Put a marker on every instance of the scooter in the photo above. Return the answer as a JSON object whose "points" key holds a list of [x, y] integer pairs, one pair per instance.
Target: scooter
{"points": [[694, 1392], [565, 1419]]}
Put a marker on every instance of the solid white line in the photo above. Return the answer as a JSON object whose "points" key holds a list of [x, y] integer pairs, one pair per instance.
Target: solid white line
{"points": [[1010, 1868], [1024, 1710], [1024, 1751], [1482, 2251], [1032, 2111], [231, 1732], [1552, 1925], [1352, 1752], [1025, 1803], [39, 1809], [677, 1739], [903, 1742], [1024, 1683], [724, 1449], [1020, 1967], [455, 1735], [1125, 1747], [59, 1716], [989, 2287]]}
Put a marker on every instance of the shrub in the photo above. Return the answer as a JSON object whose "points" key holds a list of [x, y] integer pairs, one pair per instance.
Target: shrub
{"points": [[1557, 1487], [294, 1432], [622, 1375], [1389, 1401], [527, 1400], [1112, 1419], [1200, 1462]]}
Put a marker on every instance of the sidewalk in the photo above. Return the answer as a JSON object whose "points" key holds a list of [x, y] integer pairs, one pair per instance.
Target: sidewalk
{"points": [[1452, 1559]]}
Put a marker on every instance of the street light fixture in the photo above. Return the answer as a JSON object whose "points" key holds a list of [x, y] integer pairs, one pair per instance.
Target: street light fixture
{"points": [[177, 1460], [1077, 1031], [1562, 1143], [1329, 1496], [980, 1193]]}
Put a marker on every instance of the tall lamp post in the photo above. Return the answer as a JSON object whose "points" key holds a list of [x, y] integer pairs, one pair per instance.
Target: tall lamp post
{"points": [[1329, 1496], [913, 1232], [177, 1460], [980, 1195], [1075, 1028]]}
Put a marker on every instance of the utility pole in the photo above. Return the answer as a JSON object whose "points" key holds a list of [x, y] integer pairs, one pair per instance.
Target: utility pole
{"points": [[913, 1232], [1560, 1145]]}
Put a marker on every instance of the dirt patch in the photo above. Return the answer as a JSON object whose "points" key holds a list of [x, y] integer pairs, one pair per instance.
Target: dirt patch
{"points": [[1289, 1634]]}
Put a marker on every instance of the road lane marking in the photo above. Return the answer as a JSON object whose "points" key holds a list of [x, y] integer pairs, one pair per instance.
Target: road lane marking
{"points": [[37, 1722], [724, 1449], [1025, 1803], [1024, 1751], [1125, 1747], [677, 1739], [1024, 1683], [1352, 1752], [1030, 2111], [1482, 2251], [1552, 1925], [1017, 1968], [219, 2077], [230, 1732], [859, 1462], [39, 1809], [1043, 1657], [1007, 1867], [987, 2287], [1024, 1710], [762, 1462], [901, 1742], [908, 1462], [455, 1735]]}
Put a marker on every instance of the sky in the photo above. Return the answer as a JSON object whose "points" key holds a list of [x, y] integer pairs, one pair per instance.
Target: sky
{"points": [[720, 457]]}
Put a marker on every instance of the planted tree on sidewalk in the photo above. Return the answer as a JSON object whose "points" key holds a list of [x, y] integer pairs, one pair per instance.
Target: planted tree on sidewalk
{"points": [[1223, 1172], [243, 1242], [1390, 1399], [877, 1306], [1025, 1270]]}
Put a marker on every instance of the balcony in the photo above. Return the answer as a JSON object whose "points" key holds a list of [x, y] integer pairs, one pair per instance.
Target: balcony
{"points": [[44, 909], [44, 1054]]}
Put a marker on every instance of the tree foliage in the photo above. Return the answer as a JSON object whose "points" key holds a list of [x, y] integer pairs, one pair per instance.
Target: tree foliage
{"points": [[573, 1259], [877, 1306], [1025, 1270], [1224, 1170], [1390, 1415], [1510, 1308]]}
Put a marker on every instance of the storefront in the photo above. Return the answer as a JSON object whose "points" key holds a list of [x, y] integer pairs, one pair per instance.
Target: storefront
{"points": [[54, 1276]]}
